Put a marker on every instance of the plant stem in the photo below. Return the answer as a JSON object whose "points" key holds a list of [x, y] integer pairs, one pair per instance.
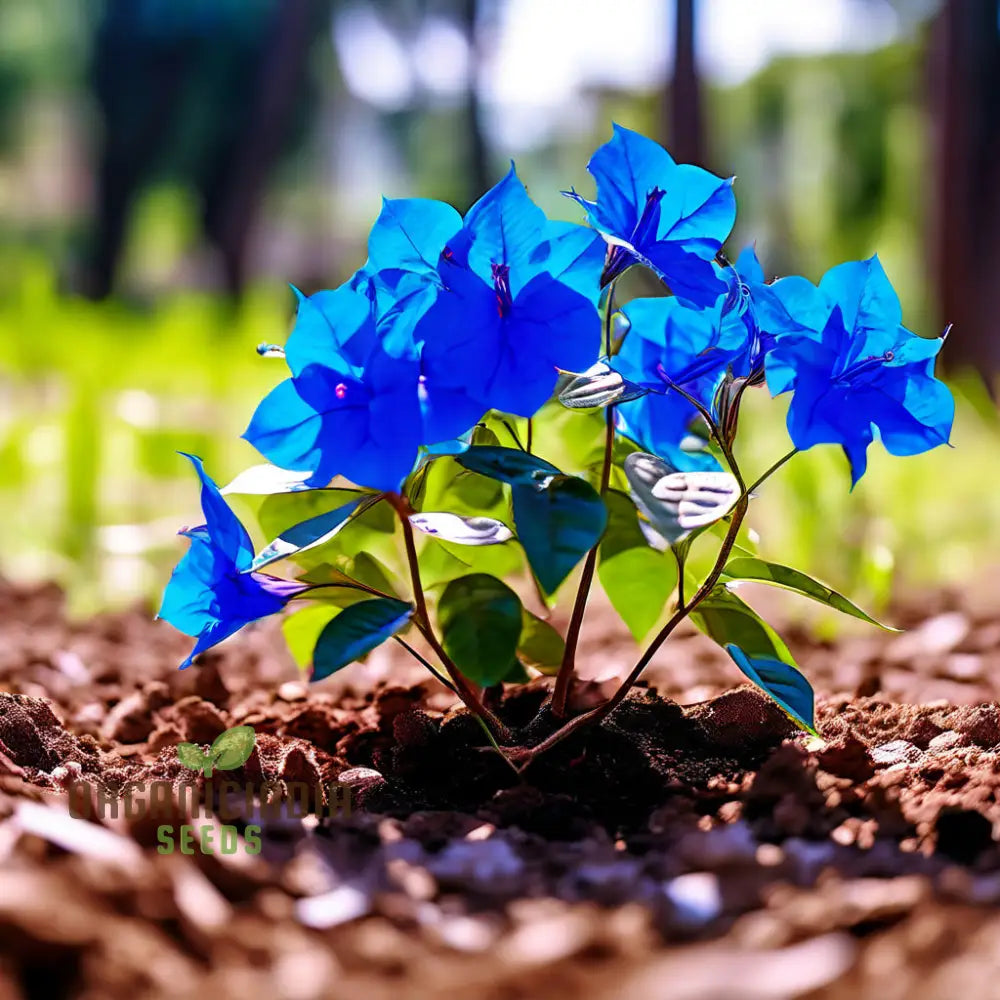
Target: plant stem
{"points": [[423, 622], [496, 746], [679, 559], [560, 693], [773, 469], [420, 659], [354, 585], [686, 608], [716, 433], [609, 311]]}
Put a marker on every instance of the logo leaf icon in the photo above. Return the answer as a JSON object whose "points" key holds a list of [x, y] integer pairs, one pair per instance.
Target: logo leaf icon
{"points": [[232, 748], [191, 756]]}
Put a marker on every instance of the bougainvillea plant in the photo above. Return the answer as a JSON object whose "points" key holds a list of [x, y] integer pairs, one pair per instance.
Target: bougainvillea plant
{"points": [[475, 413]]}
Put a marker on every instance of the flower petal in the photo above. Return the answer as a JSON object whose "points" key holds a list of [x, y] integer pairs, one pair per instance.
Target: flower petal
{"points": [[224, 527], [410, 234]]}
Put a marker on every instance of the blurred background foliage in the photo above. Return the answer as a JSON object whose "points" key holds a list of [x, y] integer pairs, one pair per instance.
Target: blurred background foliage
{"points": [[166, 165]]}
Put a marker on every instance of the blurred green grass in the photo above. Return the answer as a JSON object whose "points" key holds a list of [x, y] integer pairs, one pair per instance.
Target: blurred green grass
{"points": [[928, 520], [97, 400]]}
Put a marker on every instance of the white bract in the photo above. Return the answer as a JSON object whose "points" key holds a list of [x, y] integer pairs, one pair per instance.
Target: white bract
{"points": [[677, 503], [462, 530]]}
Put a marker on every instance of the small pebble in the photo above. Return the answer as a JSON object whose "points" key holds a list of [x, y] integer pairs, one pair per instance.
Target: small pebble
{"points": [[946, 741], [293, 691], [696, 896], [896, 752], [338, 906]]}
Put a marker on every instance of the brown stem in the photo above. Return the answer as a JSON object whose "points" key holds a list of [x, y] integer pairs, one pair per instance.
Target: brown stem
{"points": [[560, 694], [423, 623]]}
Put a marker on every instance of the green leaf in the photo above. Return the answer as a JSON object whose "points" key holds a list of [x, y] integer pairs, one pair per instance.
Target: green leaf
{"points": [[782, 682], [462, 530], [232, 748], [357, 630], [450, 485], [372, 525], [557, 524], [366, 569], [677, 503], [347, 580], [776, 575], [302, 629], [280, 511], [480, 619], [443, 562], [517, 674], [638, 583], [568, 438], [482, 435], [190, 755], [306, 535], [622, 448], [637, 579], [540, 645], [468, 495], [372, 535], [723, 617], [508, 465]]}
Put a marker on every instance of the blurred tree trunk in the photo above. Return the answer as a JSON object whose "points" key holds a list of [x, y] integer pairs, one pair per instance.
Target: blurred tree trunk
{"points": [[233, 202], [965, 248], [478, 158], [685, 126], [237, 70]]}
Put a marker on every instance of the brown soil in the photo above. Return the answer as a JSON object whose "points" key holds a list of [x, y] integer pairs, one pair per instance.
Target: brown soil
{"points": [[694, 848]]}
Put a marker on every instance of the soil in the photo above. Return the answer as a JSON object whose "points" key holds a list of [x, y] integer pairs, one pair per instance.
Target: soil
{"points": [[695, 846]]}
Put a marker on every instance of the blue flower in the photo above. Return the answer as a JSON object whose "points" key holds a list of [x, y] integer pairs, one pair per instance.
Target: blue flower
{"points": [[517, 301], [673, 341], [669, 344], [751, 315], [671, 218], [358, 403], [858, 373], [448, 318], [211, 593], [404, 248]]}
